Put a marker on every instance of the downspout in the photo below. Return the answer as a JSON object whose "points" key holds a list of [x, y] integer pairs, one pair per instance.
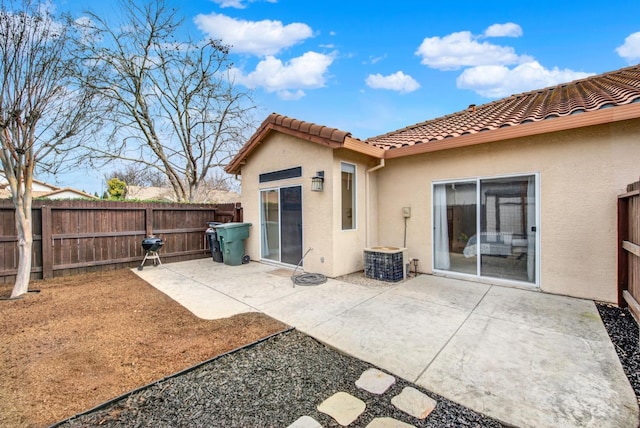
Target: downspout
{"points": [[368, 202]]}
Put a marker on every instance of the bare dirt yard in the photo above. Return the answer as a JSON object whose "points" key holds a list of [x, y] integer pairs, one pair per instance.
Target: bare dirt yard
{"points": [[85, 339]]}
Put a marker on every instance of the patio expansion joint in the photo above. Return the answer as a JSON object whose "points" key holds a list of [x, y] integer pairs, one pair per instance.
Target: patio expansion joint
{"points": [[351, 308], [215, 289], [452, 335]]}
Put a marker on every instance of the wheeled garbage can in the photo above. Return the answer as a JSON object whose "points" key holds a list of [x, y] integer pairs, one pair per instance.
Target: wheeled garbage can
{"points": [[214, 243], [231, 237]]}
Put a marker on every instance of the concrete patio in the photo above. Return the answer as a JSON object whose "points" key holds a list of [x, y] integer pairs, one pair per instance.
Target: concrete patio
{"points": [[525, 358]]}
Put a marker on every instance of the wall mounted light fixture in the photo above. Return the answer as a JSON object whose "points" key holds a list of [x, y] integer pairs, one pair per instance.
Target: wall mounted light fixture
{"points": [[317, 182]]}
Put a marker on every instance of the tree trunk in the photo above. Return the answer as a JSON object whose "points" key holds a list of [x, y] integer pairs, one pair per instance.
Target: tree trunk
{"points": [[25, 245]]}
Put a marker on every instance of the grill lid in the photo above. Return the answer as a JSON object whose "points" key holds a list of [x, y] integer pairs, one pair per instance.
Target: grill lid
{"points": [[152, 244]]}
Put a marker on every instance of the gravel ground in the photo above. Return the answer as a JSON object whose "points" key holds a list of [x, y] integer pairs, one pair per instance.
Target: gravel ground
{"points": [[270, 384], [623, 331], [278, 380]]}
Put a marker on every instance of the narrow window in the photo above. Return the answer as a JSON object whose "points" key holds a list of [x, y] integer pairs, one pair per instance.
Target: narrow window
{"points": [[348, 183]]}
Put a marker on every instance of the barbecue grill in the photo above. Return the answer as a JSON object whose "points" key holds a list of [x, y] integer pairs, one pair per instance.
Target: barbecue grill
{"points": [[151, 246]]}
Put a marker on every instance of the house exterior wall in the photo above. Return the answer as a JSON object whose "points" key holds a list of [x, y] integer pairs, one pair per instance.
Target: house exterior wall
{"points": [[348, 245], [581, 173], [41, 187], [320, 210]]}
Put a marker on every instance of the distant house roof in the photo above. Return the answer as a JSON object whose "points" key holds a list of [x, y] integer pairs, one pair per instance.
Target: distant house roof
{"points": [[148, 193], [68, 193], [571, 105], [205, 195], [40, 189]]}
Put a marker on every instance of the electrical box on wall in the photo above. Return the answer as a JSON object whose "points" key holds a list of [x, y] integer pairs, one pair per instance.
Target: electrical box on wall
{"points": [[406, 212]]}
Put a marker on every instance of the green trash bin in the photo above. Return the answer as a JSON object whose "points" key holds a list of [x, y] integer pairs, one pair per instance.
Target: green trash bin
{"points": [[231, 237]]}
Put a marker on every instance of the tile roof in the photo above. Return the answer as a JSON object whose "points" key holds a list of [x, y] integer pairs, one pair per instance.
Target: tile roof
{"points": [[516, 116], [325, 132], [611, 89], [309, 131]]}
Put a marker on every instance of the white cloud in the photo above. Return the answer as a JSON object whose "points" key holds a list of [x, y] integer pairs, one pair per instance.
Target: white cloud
{"points": [[461, 49], [237, 4], [377, 59], [260, 38], [396, 82], [495, 81], [284, 94], [289, 79], [503, 30], [630, 49]]}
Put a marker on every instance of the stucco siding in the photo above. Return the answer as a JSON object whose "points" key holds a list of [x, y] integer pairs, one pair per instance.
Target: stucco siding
{"points": [[581, 173], [278, 152], [333, 251], [348, 245]]}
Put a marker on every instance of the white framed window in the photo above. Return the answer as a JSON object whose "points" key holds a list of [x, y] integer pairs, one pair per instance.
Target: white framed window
{"points": [[348, 195]]}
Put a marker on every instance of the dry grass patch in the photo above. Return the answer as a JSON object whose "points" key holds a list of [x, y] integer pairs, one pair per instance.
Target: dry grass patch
{"points": [[85, 339]]}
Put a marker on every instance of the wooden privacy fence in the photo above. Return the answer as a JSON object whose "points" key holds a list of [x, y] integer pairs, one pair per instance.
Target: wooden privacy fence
{"points": [[71, 236], [629, 249]]}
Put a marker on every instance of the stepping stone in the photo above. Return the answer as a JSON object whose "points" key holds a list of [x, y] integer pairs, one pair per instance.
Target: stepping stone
{"points": [[305, 422], [343, 407], [414, 402], [375, 381], [388, 423]]}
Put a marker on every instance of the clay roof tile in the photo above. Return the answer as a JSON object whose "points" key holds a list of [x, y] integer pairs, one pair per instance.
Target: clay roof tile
{"points": [[593, 93], [305, 130], [315, 129]]}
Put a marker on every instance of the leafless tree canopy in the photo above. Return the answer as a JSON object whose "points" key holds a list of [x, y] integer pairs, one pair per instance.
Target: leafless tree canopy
{"points": [[42, 111], [138, 175], [171, 101], [167, 104], [43, 114]]}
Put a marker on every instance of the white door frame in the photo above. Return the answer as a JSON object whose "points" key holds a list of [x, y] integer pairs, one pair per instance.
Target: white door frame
{"points": [[477, 277]]}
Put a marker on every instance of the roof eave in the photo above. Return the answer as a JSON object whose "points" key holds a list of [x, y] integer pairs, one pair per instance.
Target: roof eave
{"points": [[360, 146], [236, 163], [598, 117], [321, 135]]}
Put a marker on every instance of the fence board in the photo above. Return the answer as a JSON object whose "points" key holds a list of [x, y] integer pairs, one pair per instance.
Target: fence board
{"points": [[629, 249], [76, 236]]}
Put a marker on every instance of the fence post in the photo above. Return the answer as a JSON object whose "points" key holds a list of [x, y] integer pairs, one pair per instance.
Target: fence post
{"points": [[47, 242], [149, 221], [237, 213], [623, 264]]}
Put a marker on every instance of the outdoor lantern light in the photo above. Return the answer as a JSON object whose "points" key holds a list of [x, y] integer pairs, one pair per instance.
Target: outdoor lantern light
{"points": [[317, 181]]}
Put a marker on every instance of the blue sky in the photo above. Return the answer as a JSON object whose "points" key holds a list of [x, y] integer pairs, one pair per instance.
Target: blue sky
{"points": [[371, 68]]}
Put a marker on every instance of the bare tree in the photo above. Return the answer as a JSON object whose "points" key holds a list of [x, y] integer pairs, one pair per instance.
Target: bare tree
{"points": [[136, 175], [42, 113], [173, 103]]}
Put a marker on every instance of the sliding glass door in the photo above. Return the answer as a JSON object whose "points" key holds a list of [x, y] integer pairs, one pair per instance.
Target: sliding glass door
{"points": [[455, 223], [281, 224], [487, 228]]}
